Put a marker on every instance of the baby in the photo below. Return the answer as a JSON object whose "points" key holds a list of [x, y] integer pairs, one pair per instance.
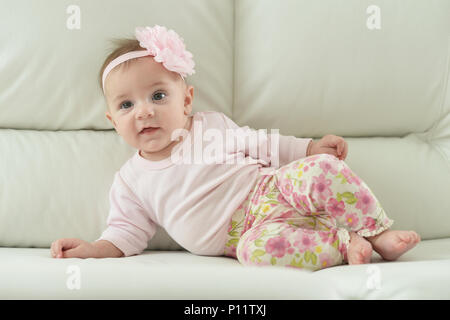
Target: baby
{"points": [[293, 202]]}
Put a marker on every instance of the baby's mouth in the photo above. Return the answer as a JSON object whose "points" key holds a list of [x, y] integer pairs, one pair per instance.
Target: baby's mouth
{"points": [[148, 130]]}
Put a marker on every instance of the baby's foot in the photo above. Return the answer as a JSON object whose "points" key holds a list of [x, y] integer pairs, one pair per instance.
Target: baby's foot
{"points": [[391, 244], [359, 250]]}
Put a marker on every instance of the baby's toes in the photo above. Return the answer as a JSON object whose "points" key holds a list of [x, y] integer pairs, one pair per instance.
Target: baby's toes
{"points": [[416, 237], [366, 254], [413, 237], [405, 237]]}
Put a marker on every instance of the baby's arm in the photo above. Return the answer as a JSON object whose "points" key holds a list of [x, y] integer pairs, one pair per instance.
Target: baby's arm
{"points": [[129, 226], [308, 150], [106, 249], [77, 248], [289, 148]]}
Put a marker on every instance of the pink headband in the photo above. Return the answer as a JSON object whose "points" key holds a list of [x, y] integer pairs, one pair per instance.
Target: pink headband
{"points": [[165, 46]]}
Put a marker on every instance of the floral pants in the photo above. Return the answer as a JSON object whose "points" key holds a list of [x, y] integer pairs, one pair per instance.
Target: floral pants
{"points": [[300, 216]]}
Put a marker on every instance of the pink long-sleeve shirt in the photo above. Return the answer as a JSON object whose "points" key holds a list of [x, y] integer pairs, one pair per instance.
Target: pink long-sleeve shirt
{"points": [[194, 197]]}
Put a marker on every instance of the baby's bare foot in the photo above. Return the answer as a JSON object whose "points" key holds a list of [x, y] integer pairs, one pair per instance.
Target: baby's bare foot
{"points": [[391, 244], [359, 250]]}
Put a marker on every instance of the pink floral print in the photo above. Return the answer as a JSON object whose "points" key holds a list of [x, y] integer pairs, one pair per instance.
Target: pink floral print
{"points": [[350, 176], [301, 201], [301, 216], [321, 186], [335, 208], [304, 241], [328, 166], [366, 202], [277, 246], [351, 219], [286, 187]]}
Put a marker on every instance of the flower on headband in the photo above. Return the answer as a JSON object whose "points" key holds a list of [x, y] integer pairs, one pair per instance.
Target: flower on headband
{"points": [[166, 47]]}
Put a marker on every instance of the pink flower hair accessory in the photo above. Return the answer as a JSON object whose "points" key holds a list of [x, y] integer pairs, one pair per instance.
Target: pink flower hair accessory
{"points": [[166, 46]]}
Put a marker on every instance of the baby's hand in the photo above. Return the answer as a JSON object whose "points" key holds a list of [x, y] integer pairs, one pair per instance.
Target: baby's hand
{"points": [[331, 144], [72, 248]]}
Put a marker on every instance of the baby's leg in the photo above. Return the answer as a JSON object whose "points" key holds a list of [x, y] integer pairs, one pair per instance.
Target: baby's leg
{"points": [[266, 205], [279, 243], [325, 183]]}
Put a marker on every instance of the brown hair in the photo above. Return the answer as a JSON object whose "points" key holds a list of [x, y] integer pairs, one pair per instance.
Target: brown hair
{"points": [[121, 46]]}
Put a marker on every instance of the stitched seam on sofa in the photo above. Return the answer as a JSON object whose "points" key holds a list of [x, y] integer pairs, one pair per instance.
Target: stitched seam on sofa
{"points": [[233, 100], [430, 137], [432, 131], [439, 150]]}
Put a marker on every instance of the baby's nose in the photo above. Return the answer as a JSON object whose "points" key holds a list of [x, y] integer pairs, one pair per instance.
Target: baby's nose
{"points": [[144, 110]]}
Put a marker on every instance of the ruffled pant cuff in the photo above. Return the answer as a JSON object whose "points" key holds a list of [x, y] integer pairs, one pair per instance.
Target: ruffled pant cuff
{"points": [[344, 241], [386, 224]]}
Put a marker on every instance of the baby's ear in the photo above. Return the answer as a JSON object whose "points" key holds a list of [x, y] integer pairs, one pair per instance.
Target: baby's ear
{"points": [[188, 99], [110, 118]]}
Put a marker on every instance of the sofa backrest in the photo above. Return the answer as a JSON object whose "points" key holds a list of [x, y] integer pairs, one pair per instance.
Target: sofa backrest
{"points": [[307, 68]]}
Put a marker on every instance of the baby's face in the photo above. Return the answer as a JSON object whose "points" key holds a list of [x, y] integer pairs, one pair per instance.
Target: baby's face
{"points": [[147, 95]]}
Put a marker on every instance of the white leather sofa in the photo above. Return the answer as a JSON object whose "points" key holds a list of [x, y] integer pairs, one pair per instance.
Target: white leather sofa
{"points": [[375, 72]]}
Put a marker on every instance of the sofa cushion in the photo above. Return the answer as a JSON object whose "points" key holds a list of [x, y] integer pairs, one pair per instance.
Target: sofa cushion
{"points": [[27, 273]]}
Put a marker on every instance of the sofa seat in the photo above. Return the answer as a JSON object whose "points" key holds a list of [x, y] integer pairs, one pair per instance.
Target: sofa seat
{"points": [[30, 273]]}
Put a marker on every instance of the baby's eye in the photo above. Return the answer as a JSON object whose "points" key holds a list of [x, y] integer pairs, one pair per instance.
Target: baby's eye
{"points": [[125, 105], [159, 96]]}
